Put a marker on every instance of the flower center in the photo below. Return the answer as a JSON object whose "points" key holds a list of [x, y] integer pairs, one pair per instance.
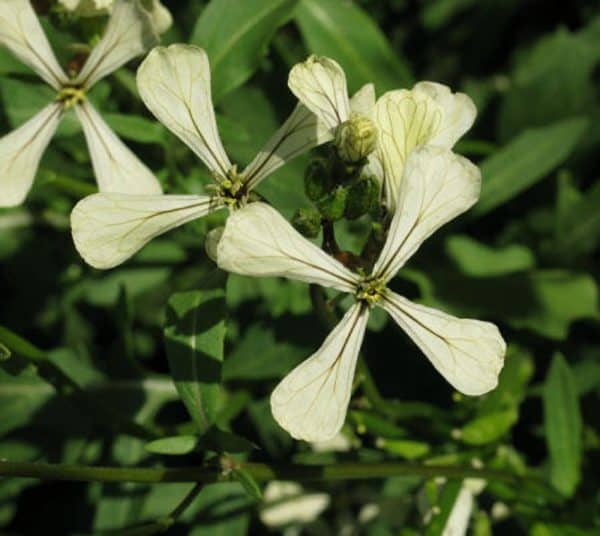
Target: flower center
{"points": [[371, 290], [71, 96], [231, 189]]}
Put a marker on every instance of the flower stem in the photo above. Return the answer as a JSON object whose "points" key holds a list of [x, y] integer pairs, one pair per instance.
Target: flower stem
{"points": [[261, 472]]}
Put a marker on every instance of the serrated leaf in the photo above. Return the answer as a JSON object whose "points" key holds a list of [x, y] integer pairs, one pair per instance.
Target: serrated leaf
{"points": [[562, 424], [236, 35], [344, 32], [172, 446], [488, 428], [528, 158], [194, 336]]}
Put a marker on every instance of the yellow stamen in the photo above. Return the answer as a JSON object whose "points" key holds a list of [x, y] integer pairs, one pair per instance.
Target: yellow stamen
{"points": [[71, 96], [371, 290]]}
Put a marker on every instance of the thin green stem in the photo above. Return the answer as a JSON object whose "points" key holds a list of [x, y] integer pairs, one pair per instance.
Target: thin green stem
{"points": [[262, 472]]}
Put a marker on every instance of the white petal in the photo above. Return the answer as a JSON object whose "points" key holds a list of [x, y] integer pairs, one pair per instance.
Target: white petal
{"points": [[161, 17], [405, 120], [458, 520], [468, 353], [311, 401], [21, 32], [320, 84], [301, 132], [437, 186], [174, 83], [458, 112], [287, 503], [258, 241], [109, 228], [116, 168], [128, 34], [21, 151], [363, 101]]}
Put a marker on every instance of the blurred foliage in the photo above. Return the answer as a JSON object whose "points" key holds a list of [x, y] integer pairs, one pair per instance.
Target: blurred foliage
{"points": [[87, 377]]}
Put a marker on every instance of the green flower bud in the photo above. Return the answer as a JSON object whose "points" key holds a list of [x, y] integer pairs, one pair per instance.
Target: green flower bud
{"points": [[356, 138], [363, 195], [333, 206], [317, 180], [307, 222]]}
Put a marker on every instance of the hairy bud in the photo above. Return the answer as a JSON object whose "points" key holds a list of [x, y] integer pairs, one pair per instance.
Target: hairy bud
{"points": [[363, 196], [333, 206], [317, 179], [356, 138], [307, 222]]}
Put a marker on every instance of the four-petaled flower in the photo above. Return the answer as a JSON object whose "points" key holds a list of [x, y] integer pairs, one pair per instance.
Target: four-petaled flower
{"points": [[311, 402], [428, 114], [174, 83], [129, 32]]}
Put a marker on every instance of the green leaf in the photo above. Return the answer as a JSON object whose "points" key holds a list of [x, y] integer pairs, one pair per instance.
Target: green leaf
{"points": [[410, 450], [488, 428], [236, 35], [247, 481], [479, 260], [18, 345], [172, 446], [544, 301], [21, 397], [370, 422], [563, 427], [194, 336], [5, 352], [135, 128], [344, 32], [259, 356], [528, 158], [512, 386], [446, 500], [579, 226], [551, 81]]}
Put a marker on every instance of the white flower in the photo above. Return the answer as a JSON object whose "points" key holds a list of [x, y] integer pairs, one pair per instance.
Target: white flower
{"points": [[174, 83], [311, 402], [128, 33], [287, 503], [427, 114], [460, 515], [160, 15]]}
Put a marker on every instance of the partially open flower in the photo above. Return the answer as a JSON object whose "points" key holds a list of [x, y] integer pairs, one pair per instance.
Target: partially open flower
{"points": [[387, 130]]}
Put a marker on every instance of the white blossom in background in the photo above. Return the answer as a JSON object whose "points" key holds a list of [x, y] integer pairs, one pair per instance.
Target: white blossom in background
{"points": [[174, 83], [403, 120], [311, 402], [287, 503], [462, 510], [161, 16], [129, 33]]}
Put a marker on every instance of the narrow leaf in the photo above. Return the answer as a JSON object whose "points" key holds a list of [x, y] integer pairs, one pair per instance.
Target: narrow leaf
{"points": [[236, 35], [562, 422], [194, 336], [344, 32], [488, 428], [173, 446], [247, 481], [526, 160]]}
